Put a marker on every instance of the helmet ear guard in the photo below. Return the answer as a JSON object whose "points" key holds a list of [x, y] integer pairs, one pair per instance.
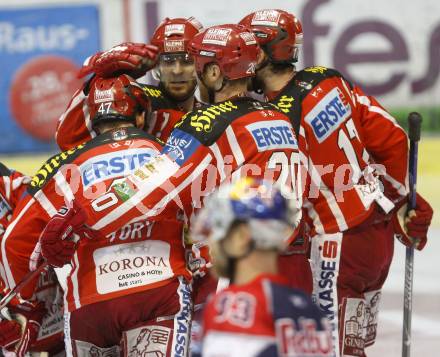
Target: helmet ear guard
{"points": [[278, 32]]}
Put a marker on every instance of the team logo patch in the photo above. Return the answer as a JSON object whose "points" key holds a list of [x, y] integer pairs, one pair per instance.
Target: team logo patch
{"points": [[354, 313], [174, 45], [180, 145], [88, 349], [174, 29], [217, 36], [266, 18], [328, 114], [119, 134], [148, 341], [285, 103], [272, 134], [102, 96]]}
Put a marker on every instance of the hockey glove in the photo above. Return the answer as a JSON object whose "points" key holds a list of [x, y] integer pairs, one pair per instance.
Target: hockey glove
{"points": [[58, 240], [18, 334], [411, 227], [134, 59], [198, 259]]}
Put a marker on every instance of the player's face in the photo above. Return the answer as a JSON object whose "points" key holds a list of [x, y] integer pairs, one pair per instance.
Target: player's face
{"points": [[177, 75], [219, 259], [234, 245]]}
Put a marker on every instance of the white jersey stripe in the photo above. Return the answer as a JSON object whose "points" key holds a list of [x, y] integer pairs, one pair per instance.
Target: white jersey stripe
{"points": [[373, 108], [64, 186], [350, 92], [20, 181], [78, 97], [74, 277], [315, 217], [8, 278], [328, 195], [170, 196], [302, 132], [220, 162], [235, 146], [87, 120], [7, 184], [45, 203]]}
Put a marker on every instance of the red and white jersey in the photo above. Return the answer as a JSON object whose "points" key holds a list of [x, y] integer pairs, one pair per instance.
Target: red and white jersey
{"points": [[74, 126], [264, 318], [354, 151], [236, 137], [13, 186], [138, 254]]}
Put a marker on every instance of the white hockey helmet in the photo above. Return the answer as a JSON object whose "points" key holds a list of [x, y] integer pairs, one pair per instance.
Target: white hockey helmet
{"points": [[271, 215]]}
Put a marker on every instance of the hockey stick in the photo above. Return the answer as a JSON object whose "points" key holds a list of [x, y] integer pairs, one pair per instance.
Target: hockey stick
{"points": [[16, 290], [28, 277], [414, 124]]}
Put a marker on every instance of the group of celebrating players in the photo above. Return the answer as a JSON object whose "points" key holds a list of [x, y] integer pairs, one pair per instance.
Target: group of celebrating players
{"points": [[238, 208]]}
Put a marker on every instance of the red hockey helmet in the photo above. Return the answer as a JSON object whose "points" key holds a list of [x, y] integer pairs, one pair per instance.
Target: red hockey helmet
{"points": [[116, 99], [233, 47], [278, 32], [174, 35]]}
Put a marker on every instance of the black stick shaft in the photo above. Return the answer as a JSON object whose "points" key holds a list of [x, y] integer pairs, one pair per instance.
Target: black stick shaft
{"points": [[414, 124]]}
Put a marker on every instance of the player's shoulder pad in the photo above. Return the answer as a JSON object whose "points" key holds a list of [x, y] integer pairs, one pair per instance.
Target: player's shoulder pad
{"points": [[208, 122], [54, 163], [157, 97], [4, 171], [309, 77], [51, 167], [287, 302]]}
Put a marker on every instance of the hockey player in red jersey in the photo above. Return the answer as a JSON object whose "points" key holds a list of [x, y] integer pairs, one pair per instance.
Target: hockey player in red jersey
{"points": [[247, 223], [234, 135], [127, 291], [356, 157], [13, 186], [41, 324], [170, 100]]}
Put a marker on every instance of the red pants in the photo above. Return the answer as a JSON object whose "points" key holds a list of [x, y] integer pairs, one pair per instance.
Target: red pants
{"points": [[152, 322], [296, 268], [349, 270]]}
